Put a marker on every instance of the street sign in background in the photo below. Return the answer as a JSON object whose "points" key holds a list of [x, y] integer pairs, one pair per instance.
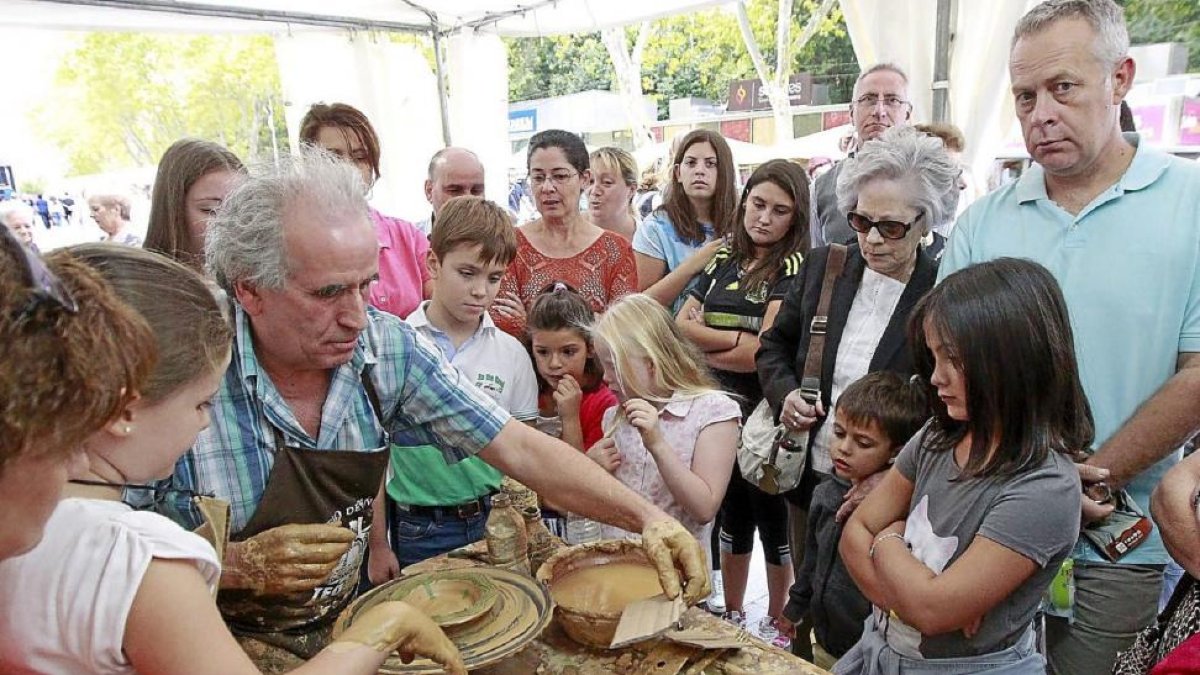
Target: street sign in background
{"points": [[749, 94]]}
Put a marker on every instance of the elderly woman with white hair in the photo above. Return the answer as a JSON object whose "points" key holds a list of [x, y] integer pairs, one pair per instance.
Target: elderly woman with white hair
{"points": [[17, 216], [891, 191]]}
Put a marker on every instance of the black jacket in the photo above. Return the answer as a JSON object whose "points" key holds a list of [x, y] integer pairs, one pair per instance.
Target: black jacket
{"points": [[825, 588], [780, 358]]}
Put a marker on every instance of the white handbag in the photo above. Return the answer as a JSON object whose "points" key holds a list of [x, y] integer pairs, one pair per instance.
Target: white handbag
{"points": [[761, 458], [769, 455]]}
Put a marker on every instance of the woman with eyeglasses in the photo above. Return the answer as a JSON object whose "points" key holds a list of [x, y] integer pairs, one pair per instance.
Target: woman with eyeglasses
{"points": [[562, 245], [71, 357], [890, 192], [676, 241], [114, 590]]}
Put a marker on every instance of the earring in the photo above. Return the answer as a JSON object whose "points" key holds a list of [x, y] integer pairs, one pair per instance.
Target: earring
{"points": [[126, 428]]}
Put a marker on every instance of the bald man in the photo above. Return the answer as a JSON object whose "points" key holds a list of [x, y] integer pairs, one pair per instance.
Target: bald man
{"points": [[453, 172]]}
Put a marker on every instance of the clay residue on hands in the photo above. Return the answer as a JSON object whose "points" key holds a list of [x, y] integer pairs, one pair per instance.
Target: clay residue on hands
{"points": [[289, 558], [672, 548], [397, 626]]}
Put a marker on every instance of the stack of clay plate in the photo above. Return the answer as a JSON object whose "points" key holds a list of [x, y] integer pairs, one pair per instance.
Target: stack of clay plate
{"points": [[487, 613]]}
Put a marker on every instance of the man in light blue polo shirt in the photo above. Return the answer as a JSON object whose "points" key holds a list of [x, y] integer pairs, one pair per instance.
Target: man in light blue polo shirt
{"points": [[1118, 224]]}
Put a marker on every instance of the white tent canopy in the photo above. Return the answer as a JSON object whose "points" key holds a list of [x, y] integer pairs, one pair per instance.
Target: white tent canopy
{"points": [[821, 144], [335, 51], [332, 51], [524, 18]]}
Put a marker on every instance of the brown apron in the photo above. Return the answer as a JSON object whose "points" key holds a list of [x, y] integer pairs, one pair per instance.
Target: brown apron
{"points": [[307, 487]]}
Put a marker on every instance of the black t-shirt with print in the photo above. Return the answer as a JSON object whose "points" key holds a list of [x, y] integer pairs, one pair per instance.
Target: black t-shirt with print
{"points": [[727, 305]]}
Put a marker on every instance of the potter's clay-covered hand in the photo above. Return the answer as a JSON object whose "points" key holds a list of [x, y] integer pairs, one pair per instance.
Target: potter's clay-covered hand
{"points": [[396, 626], [286, 559], [672, 548]]}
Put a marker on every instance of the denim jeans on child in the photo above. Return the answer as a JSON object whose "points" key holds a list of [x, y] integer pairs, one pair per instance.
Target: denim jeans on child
{"points": [[873, 656], [417, 536]]}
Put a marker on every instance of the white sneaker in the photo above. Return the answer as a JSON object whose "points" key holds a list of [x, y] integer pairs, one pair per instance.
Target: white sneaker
{"points": [[768, 632], [716, 599]]}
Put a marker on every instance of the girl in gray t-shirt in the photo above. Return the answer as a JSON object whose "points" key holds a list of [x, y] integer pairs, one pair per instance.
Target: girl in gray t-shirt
{"points": [[957, 544]]}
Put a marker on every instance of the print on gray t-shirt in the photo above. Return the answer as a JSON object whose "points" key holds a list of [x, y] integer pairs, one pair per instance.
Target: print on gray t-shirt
{"points": [[1034, 513]]}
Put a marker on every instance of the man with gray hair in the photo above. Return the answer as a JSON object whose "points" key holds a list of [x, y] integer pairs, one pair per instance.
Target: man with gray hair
{"points": [[317, 385], [453, 172], [1118, 224], [880, 102], [17, 216]]}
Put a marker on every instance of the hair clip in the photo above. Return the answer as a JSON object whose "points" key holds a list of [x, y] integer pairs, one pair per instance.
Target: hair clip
{"points": [[560, 286]]}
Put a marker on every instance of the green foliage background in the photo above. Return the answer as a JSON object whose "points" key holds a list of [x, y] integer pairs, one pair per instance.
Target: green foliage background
{"points": [[121, 98]]}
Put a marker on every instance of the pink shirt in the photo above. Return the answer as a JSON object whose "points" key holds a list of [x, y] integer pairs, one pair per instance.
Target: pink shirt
{"points": [[680, 422], [402, 269]]}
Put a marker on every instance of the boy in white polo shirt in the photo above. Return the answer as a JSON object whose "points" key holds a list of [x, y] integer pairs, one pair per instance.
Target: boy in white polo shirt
{"points": [[432, 506]]}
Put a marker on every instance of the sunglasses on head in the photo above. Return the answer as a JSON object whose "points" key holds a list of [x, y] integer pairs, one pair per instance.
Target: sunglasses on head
{"points": [[888, 229], [45, 287]]}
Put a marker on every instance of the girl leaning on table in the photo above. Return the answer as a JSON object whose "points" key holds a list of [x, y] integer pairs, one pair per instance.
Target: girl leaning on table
{"points": [[114, 590], [957, 544], [672, 436]]}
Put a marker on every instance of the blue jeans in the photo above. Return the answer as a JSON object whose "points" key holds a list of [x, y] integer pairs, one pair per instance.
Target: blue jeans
{"points": [[419, 537], [873, 656]]}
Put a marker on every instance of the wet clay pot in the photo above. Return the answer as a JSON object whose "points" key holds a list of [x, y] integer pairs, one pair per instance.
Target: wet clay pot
{"points": [[613, 573]]}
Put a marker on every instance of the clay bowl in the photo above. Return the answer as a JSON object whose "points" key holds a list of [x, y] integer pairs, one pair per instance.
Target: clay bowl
{"points": [[450, 598], [586, 621]]}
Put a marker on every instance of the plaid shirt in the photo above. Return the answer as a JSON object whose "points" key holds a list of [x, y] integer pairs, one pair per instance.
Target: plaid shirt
{"points": [[425, 401]]}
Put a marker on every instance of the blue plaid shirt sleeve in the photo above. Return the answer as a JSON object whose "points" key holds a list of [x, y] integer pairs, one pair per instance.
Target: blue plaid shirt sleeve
{"points": [[435, 403]]}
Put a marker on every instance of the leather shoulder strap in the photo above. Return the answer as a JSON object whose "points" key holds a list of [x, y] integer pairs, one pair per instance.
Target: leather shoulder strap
{"points": [[810, 383]]}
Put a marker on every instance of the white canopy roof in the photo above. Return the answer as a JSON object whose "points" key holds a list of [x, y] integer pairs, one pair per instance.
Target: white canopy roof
{"points": [[517, 18]]}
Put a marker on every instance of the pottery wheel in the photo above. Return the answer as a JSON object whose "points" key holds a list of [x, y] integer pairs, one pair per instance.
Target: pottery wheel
{"points": [[522, 610]]}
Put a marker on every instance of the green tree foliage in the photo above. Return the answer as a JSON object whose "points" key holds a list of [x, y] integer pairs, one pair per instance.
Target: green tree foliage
{"points": [[829, 55], [134, 94], [557, 65], [1165, 21], [693, 54]]}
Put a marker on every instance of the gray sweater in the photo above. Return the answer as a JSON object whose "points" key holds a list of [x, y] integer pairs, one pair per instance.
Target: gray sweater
{"points": [[824, 588]]}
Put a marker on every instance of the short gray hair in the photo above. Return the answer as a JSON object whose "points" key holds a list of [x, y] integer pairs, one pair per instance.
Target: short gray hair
{"points": [[904, 154], [244, 241], [11, 206], [1105, 17], [881, 68]]}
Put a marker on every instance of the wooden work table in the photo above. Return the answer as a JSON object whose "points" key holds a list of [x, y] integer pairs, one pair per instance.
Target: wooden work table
{"points": [[553, 653]]}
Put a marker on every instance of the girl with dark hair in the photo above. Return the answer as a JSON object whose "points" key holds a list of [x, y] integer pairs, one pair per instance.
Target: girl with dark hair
{"points": [[194, 176], [958, 543], [677, 240], [562, 244], [572, 397], [723, 315], [116, 567], [404, 279]]}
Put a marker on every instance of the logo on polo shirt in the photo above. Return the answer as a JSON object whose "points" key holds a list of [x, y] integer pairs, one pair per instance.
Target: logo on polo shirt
{"points": [[491, 383]]}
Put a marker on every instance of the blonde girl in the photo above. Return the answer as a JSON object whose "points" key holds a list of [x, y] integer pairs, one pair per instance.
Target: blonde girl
{"points": [[673, 435]]}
